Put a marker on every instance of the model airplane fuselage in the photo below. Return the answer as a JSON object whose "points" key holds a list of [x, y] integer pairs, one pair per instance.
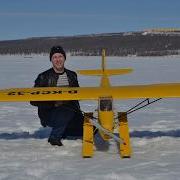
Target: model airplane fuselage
{"points": [[105, 113]]}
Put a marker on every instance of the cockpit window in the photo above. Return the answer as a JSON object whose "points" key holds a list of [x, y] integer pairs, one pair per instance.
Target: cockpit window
{"points": [[106, 104]]}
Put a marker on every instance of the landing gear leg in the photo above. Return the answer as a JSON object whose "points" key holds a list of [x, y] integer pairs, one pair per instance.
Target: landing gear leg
{"points": [[88, 136], [125, 148]]}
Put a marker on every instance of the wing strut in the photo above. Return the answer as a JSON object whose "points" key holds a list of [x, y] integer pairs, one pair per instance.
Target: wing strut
{"points": [[140, 106]]}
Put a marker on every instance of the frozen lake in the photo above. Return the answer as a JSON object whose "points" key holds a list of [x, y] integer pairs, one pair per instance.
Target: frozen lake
{"points": [[155, 130]]}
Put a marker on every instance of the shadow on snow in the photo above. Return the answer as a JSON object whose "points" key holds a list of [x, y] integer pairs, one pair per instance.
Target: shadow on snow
{"points": [[154, 134], [43, 133]]}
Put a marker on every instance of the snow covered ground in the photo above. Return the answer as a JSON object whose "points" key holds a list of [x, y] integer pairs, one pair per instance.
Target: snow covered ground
{"points": [[155, 131]]}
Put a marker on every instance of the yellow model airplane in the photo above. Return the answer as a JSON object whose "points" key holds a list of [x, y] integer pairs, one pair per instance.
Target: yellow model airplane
{"points": [[104, 94]]}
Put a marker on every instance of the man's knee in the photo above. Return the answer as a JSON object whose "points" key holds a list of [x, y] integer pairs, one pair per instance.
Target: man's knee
{"points": [[44, 116], [75, 127]]}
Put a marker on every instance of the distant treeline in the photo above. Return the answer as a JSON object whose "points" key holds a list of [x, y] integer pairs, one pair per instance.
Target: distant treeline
{"points": [[116, 44]]}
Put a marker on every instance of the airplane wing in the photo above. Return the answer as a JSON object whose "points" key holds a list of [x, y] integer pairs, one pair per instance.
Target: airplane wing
{"points": [[49, 94], [166, 90]]}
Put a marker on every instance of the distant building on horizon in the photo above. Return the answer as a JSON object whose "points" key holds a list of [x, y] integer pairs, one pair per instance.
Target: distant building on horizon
{"points": [[163, 31]]}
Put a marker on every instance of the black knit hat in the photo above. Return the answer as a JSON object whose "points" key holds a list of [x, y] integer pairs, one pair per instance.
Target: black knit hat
{"points": [[57, 49]]}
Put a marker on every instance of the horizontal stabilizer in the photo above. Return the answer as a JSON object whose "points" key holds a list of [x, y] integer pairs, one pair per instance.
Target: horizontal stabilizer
{"points": [[108, 72]]}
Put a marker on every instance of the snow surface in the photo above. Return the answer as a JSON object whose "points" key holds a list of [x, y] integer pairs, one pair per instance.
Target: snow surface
{"points": [[155, 131]]}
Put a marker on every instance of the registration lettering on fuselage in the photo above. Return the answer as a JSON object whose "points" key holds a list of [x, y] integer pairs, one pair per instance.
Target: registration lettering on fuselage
{"points": [[21, 93]]}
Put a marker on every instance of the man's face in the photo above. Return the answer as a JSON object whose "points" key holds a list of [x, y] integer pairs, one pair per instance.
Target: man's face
{"points": [[58, 62]]}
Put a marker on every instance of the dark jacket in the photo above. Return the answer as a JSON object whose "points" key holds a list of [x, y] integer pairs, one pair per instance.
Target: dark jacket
{"points": [[49, 79]]}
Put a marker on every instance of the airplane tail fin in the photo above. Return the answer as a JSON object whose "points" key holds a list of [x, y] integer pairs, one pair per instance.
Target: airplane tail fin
{"points": [[103, 70]]}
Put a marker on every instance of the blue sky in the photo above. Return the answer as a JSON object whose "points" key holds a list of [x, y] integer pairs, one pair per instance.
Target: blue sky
{"points": [[38, 18]]}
